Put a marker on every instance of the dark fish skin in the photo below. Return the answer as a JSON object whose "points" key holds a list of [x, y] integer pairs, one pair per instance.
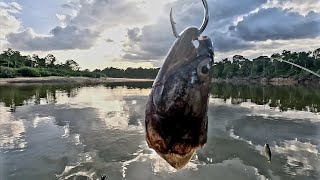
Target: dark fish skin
{"points": [[176, 119], [267, 152], [103, 177]]}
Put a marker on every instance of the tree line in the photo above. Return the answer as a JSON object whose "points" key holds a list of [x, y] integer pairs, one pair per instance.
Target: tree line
{"points": [[13, 64], [269, 67]]}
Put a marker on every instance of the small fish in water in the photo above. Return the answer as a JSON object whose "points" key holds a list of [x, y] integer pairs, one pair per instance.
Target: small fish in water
{"points": [[267, 152], [176, 118]]}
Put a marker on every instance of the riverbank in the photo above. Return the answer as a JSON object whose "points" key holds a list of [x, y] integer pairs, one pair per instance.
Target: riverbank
{"points": [[57, 79], [87, 80], [272, 81]]}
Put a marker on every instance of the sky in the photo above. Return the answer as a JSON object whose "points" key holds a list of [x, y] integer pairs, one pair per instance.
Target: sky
{"points": [[137, 33]]}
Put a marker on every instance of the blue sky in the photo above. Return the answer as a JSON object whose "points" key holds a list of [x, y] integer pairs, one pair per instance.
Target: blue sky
{"points": [[101, 33], [38, 15]]}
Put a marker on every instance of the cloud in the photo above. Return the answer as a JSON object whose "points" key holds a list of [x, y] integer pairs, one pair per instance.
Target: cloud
{"points": [[104, 14], [190, 13], [64, 18], [234, 26], [153, 41], [224, 42], [150, 42], [109, 40], [70, 37], [80, 30], [302, 7], [276, 23], [246, 27], [133, 34], [10, 7], [8, 22], [231, 8], [16, 6], [71, 5]]}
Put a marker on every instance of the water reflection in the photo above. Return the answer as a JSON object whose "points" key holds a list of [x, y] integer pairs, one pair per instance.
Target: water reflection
{"points": [[11, 131], [130, 85], [283, 97], [19, 95], [83, 131], [293, 136]]}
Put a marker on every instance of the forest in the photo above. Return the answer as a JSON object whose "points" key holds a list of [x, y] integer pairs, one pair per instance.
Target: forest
{"points": [[269, 67], [13, 64]]}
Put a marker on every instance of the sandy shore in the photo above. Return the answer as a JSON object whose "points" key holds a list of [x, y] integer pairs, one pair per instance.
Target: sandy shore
{"points": [[55, 79]]}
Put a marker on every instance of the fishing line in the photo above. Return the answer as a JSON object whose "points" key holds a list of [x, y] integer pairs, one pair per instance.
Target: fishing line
{"points": [[263, 98]]}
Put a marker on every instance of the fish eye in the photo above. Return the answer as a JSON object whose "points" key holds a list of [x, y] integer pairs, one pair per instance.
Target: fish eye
{"points": [[203, 69]]}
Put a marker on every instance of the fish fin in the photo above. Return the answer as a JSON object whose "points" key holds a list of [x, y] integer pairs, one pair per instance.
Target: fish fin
{"points": [[269, 161]]}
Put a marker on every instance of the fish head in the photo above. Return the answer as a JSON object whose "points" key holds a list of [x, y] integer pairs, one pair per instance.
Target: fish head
{"points": [[176, 113], [183, 83]]}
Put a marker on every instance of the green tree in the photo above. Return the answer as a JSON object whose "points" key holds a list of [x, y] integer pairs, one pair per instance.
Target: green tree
{"points": [[39, 62], [50, 60], [72, 65]]}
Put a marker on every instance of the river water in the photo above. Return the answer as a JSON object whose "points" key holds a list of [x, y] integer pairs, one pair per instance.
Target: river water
{"points": [[85, 131]]}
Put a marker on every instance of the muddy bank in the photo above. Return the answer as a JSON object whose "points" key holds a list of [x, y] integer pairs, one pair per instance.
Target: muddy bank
{"points": [[80, 80], [273, 81]]}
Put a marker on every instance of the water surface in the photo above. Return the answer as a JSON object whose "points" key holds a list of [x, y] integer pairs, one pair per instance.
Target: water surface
{"points": [[82, 131]]}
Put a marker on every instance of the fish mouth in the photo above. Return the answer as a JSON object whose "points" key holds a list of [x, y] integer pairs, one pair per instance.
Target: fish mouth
{"points": [[177, 155], [176, 160]]}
